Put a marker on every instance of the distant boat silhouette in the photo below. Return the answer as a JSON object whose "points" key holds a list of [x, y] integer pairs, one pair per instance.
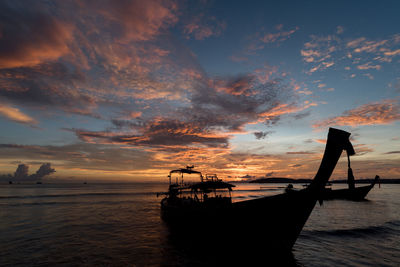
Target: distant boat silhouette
{"points": [[203, 211], [352, 193]]}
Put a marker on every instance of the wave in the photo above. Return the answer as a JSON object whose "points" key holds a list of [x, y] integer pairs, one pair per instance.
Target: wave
{"points": [[391, 227], [259, 190], [52, 203], [115, 194], [77, 195]]}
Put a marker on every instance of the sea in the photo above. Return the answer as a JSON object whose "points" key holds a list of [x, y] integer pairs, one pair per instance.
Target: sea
{"points": [[119, 224]]}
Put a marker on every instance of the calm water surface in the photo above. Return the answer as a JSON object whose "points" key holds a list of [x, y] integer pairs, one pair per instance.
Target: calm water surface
{"points": [[120, 225]]}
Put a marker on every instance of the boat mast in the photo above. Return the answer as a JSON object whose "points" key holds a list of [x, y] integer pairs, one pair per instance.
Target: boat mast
{"points": [[338, 140], [350, 176]]}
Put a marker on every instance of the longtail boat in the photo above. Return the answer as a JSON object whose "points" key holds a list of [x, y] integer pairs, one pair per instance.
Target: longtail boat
{"points": [[204, 210], [351, 193]]}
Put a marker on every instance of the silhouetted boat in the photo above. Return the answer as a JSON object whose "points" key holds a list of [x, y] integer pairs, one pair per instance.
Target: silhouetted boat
{"points": [[356, 193], [352, 192], [204, 210]]}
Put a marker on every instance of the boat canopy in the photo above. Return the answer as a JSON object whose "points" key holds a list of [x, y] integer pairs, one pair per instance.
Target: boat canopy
{"points": [[189, 171], [211, 185]]}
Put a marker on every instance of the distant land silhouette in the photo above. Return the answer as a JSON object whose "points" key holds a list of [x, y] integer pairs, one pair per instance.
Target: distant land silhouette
{"points": [[304, 181]]}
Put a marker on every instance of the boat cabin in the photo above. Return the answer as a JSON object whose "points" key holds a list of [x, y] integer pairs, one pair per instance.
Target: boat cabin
{"points": [[188, 184]]}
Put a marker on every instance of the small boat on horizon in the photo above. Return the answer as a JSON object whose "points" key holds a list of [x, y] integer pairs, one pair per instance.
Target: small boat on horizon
{"points": [[205, 209], [351, 193]]}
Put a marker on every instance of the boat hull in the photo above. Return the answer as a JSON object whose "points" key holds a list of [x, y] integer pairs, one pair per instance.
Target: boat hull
{"points": [[275, 222], [255, 226], [358, 193]]}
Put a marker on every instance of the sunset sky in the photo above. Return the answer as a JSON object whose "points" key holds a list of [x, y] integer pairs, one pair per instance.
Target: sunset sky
{"points": [[127, 90]]}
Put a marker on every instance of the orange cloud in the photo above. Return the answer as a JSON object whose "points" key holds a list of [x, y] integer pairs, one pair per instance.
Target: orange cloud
{"points": [[300, 153], [392, 53], [138, 20], [264, 74], [370, 46], [14, 114], [384, 112], [286, 109], [368, 66], [31, 40], [239, 86]]}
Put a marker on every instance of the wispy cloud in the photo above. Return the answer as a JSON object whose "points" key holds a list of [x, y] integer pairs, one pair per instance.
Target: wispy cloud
{"points": [[202, 27], [278, 36], [262, 38], [368, 66], [300, 152], [393, 152], [218, 109], [14, 114], [384, 112], [323, 52]]}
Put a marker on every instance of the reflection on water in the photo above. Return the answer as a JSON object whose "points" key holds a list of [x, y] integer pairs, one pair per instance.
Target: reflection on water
{"points": [[119, 225]]}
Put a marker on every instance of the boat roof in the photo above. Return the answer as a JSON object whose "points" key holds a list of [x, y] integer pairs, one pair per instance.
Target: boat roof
{"points": [[188, 169], [211, 185], [184, 170]]}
